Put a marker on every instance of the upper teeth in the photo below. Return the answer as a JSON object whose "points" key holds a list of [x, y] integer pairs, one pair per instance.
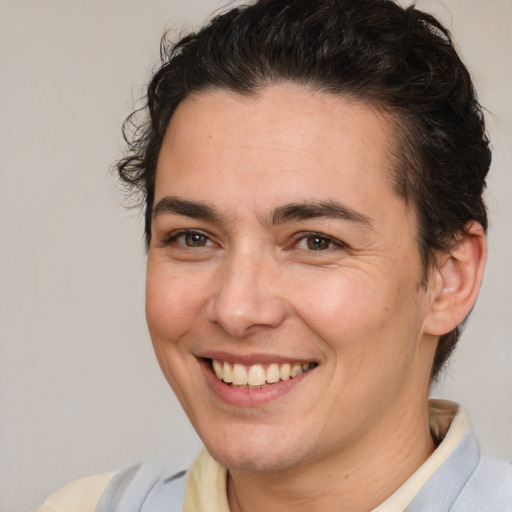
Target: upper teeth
{"points": [[257, 375]]}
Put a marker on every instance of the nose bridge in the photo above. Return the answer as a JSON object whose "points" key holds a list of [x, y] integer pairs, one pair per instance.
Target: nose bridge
{"points": [[246, 293]]}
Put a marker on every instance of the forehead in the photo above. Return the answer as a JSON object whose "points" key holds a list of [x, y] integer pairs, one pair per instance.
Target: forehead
{"points": [[287, 112], [281, 144]]}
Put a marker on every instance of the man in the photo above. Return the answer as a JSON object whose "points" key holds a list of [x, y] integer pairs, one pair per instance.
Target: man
{"points": [[313, 174]]}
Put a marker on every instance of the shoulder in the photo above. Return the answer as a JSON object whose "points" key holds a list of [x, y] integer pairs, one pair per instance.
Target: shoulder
{"points": [[145, 487], [80, 495], [467, 481], [490, 485], [142, 487]]}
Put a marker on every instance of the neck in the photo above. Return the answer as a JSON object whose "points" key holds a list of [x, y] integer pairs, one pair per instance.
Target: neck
{"points": [[340, 480]]}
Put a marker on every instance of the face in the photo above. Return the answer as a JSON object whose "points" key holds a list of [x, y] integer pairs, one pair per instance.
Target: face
{"points": [[283, 280]]}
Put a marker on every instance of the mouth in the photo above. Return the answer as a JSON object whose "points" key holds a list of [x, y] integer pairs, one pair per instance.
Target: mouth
{"points": [[257, 376]]}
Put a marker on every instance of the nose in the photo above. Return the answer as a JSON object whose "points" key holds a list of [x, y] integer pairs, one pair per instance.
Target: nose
{"points": [[246, 296]]}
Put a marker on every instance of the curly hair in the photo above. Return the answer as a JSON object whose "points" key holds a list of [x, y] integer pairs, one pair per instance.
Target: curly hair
{"points": [[400, 60]]}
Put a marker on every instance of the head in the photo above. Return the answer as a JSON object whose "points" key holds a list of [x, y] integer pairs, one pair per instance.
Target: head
{"points": [[312, 174]]}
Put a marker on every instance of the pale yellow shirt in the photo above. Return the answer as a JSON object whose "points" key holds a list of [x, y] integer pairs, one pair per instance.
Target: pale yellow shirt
{"points": [[81, 495], [206, 481]]}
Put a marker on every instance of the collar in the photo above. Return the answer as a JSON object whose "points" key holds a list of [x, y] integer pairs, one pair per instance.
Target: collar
{"points": [[449, 426]]}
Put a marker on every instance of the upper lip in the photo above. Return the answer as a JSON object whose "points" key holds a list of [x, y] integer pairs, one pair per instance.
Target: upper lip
{"points": [[253, 358]]}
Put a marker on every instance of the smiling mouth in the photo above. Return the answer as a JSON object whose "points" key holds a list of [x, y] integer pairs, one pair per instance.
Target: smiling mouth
{"points": [[257, 376]]}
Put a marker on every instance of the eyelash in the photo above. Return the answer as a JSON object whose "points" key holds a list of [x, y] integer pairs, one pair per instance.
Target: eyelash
{"points": [[333, 242], [173, 237], [302, 237]]}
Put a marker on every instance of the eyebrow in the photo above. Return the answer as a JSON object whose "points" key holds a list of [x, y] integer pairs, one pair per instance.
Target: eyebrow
{"points": [[282, 214], [328, 209], [186, 208]]}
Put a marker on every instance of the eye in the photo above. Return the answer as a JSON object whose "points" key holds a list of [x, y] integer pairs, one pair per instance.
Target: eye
{"points": [[189, 238], [194, 240], [317, 242]]}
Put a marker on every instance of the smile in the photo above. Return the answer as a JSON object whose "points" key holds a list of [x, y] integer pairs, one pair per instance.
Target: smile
{"points": [[257, 375]]}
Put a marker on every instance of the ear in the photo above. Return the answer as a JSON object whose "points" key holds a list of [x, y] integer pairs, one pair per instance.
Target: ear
{"points": [[455, 281]]}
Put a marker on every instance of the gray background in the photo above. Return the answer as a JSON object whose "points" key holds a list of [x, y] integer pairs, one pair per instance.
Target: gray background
{"points": [[80, 391]]}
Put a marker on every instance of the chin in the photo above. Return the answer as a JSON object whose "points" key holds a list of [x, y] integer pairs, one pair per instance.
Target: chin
{"points": [[258, 453], [259, 462]]}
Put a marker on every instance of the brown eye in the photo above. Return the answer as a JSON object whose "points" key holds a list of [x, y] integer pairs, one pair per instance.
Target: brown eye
{"points": [[195, 240], [189, 239], [318, 243]]}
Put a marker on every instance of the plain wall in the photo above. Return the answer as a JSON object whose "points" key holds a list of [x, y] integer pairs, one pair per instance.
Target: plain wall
{"points": [[80, 390]]}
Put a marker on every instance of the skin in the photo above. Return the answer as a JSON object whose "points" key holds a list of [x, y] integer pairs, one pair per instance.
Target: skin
{"points": [[248, 284]]}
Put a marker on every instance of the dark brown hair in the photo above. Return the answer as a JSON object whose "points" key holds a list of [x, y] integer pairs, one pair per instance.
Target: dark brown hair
{"points": [[400, 60]]}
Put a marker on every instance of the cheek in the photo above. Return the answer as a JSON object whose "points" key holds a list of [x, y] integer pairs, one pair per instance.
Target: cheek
{"points": [[360, 317], [172, 304], [171, 309], [340, 308]]}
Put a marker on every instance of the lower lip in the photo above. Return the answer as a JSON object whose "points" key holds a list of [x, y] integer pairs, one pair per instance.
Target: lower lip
{"points": [[246, 397]]}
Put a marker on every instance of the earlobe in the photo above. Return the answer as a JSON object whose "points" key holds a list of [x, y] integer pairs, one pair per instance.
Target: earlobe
{"points": [[455, 281]]}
